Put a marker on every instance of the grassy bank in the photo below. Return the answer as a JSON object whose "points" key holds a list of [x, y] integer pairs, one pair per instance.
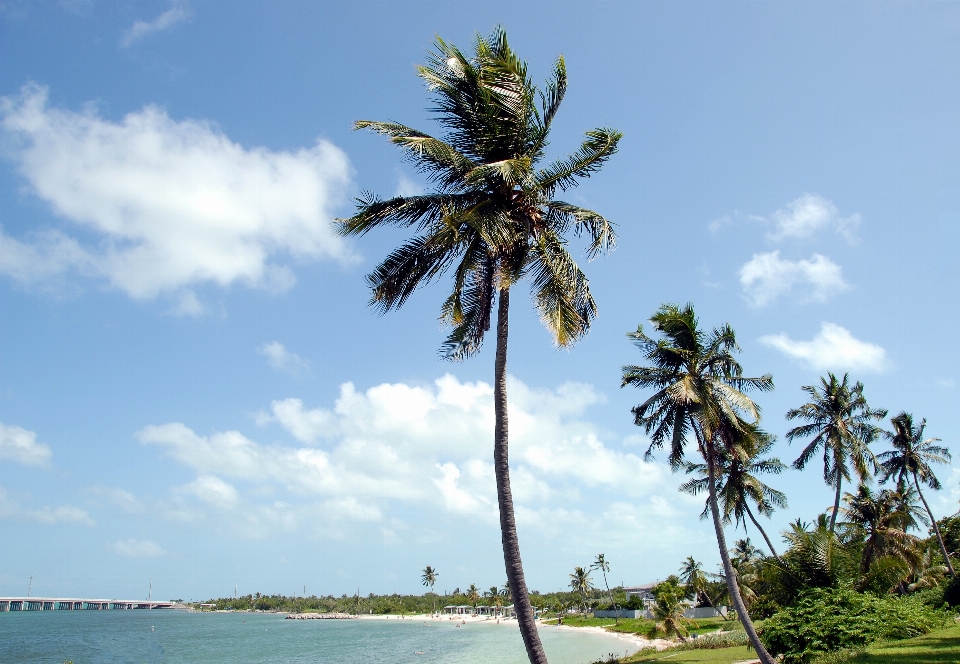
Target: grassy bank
{"points": [[642, 627], [938, 647]]}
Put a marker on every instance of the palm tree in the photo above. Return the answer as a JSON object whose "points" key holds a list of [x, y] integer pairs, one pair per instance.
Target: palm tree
{"points": [[491, 220], [911, 457], [883, 520], [700, 391], [840, 423], [667, 610], [495, 598], [694, 580], [580, 583], [473, 596], [603, 565], [738, 484], [746, 552], [429, 577]]}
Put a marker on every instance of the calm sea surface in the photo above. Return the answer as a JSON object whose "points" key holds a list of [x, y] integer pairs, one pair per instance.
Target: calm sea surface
{"points": [[176, 636]]}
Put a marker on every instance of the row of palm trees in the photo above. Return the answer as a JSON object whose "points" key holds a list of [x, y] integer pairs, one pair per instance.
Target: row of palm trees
{"points": [[700, 400]]}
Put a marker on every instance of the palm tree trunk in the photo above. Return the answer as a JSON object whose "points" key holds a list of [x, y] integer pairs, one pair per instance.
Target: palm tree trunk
{"points": [[762, 532], [729, 572], [501, 467], [616, 611], [936, 528], [836, 504]]}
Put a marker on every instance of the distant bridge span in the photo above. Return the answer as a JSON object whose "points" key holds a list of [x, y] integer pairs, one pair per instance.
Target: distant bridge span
{"points": [[75, 604]]}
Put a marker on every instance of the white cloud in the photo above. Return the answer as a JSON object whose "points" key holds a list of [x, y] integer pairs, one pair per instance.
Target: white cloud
{"points": [[116, 497], [407, 187], [399, 445], [133, 548], [833, 349], [282, 359], [766, 277], [213, 491], [10, 509], [810, 213], [171, 204], [168, 19], [21, 445]]}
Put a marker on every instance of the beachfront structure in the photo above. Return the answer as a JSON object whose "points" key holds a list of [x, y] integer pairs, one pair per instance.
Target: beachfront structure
{"points": [[76, 604], [458, 610]]}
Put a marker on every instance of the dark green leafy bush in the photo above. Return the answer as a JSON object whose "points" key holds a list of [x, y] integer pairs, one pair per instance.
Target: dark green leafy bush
{"points": [[827, 620]]}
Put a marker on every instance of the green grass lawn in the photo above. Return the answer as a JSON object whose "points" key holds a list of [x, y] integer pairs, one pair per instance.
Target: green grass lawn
{"points": [[938, 647], [720, 656], [641, 626], [934, 648]]}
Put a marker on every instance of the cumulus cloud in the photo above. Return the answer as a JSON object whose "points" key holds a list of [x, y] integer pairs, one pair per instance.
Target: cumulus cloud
{"points": [[282, 359], [170, 204], [115, 497], [214, 491], [428, 446], [810, 213], [10, 508], [20, 445], [407, 187], [140, 29], [766, 277], [833, 349], [133, 548]]}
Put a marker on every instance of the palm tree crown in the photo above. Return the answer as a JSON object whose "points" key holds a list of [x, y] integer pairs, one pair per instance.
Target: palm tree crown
{"points": [[911, 458], [840, 421], [738, 484], [493, 217]]}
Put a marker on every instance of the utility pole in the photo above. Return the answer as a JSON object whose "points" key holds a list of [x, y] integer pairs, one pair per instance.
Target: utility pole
{"points": [[30, 586], [150, 592]]}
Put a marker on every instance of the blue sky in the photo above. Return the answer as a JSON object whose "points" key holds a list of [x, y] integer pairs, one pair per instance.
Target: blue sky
{"points": [[193, 390]]}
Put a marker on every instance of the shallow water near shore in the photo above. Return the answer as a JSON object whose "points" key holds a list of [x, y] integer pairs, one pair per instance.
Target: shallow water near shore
{"points": [[177, 636]]}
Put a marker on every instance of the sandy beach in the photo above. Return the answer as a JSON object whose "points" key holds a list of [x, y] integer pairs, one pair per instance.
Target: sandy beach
{"points": [[633, 642]]}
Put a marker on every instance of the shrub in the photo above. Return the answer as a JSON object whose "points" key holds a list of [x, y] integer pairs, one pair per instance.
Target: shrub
{"points": [[828, 620], [715, 641]]}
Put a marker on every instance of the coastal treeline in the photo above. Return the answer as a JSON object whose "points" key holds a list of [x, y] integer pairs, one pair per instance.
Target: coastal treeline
{"points": [[397, 604]]}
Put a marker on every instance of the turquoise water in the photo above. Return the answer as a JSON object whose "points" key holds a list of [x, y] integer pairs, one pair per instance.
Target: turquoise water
{"points": [[126, 636]]}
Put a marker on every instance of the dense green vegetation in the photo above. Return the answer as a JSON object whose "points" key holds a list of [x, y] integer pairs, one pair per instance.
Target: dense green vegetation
{"points": [[874, 567], [828, 620]]}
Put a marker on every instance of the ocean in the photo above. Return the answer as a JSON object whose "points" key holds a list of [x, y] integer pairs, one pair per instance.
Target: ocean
{"points": [[87, 637]]}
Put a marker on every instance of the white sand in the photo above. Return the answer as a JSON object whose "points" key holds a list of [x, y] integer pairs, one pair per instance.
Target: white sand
{"points": [[634, 641]]}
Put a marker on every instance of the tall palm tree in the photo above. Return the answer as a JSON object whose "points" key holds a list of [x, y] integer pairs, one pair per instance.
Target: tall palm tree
{"points": [[429, 577], [739, 485], [495, 598], [580, 583], [491, 220], [911, 457], [602, 564], [839, 419], [699, 391], [883, 519], [473, 596]]}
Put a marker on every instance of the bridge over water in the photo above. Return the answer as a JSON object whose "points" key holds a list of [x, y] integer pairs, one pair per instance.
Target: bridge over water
{"points": [[75, 604]]}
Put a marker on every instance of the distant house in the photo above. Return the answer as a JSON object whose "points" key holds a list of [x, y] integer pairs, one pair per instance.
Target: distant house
{"points": [[644, 592]]}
